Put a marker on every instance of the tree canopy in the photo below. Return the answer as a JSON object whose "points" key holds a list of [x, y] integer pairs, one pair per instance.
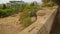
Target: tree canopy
{"points": [[45, 1], [56, 1]]}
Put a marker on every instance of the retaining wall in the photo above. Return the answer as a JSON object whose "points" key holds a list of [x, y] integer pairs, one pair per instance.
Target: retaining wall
{"points": [[43, 24]]}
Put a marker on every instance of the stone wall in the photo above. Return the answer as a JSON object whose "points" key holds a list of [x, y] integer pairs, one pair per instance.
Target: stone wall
{"points": [[42, 25], [47, 26]]}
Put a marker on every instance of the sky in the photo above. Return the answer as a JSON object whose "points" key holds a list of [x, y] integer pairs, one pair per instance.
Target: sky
{"points": [[5, 1]]}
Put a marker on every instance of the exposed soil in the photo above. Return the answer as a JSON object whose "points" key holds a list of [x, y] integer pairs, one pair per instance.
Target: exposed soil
{"points": [[11, 24]]}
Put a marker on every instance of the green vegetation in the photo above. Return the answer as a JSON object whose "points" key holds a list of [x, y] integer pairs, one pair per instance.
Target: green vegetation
{"points": [[25, 18], [45, 1], [10, 10], [4, 6], [50, 4], [28, 12], [26, 21], [18, 8], [5, 12], [32, 10], [57, 2]]}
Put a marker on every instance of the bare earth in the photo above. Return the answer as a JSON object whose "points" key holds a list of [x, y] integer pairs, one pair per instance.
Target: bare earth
{"points": [[10, 25]]}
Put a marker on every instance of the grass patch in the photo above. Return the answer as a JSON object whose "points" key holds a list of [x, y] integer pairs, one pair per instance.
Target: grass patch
{"points": [[27, 21], [5, 12]]}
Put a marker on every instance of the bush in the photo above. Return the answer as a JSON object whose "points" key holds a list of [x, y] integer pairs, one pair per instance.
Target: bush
{"points": [[50, 4], [5, 12], [25, 17], [27, 21], [18, 8], [4, 6], [33, 14], [33, 10], [28, 12]]}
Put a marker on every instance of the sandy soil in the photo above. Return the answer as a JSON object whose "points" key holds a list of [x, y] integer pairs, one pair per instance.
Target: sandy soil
{"points": [[10, 25]]}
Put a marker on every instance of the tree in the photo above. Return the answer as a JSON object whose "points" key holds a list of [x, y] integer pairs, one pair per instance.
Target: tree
{"points": [[34, 3], [4, 6], [57, 2], [46, 1]]}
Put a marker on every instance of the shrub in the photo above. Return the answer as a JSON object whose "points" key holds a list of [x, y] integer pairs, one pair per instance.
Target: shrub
{"points": [[4, 6], [33, 14], [25, 17], [17, 9], [28, 12], [50, 4], [33, 10], [26, 21], [5, 12]]}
